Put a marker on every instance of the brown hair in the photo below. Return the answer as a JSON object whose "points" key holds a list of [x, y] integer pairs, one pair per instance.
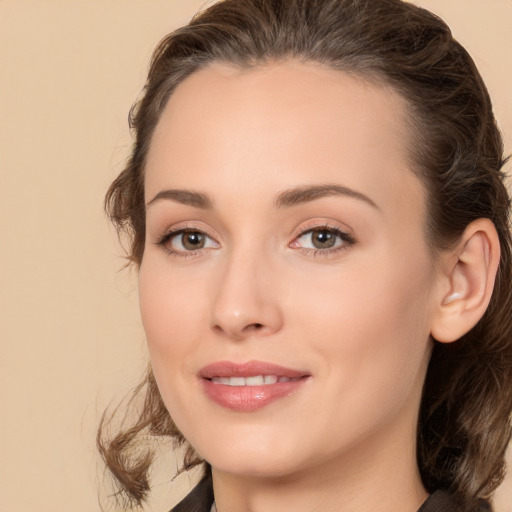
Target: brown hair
{"points": [[457, 151]]}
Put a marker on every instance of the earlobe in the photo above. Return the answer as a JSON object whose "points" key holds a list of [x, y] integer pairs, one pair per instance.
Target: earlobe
{"points": [[468, 275]]}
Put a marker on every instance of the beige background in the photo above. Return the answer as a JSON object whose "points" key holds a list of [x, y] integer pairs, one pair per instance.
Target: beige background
{"points": [[71, 338]]}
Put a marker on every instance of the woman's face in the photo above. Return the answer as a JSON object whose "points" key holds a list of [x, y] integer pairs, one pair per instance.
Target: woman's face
{"points": [[285, 242]]}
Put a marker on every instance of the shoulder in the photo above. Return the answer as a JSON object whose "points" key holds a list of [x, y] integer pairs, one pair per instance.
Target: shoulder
{"points": [[199, 499], [442, 501]]}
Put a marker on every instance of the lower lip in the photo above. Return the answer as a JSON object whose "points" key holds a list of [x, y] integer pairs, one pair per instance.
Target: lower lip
{"points": [[250, 398]]}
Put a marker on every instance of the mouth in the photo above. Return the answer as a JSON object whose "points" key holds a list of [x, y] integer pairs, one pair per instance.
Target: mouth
{"points": [[250, 386], [256, 380]]}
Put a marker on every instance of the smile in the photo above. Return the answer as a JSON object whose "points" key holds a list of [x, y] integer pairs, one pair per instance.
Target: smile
{"points": [[257, 380], [250, 386]]}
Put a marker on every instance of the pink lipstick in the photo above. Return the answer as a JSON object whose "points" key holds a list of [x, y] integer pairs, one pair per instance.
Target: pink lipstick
{"points": [[249, 386]]}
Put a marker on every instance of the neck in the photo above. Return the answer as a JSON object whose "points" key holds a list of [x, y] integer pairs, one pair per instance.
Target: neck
{"points": [[380, 477]]}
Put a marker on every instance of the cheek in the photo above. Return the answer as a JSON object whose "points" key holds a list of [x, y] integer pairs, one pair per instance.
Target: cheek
{"points": [[166, 302], [171, 312], [381, 294], [371, 324]]}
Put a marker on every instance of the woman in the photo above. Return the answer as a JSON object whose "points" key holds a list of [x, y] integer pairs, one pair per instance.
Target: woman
{"points": [[317, 213]]}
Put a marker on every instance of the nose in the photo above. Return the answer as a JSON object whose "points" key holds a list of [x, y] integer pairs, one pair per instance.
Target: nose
{"points": [[246, 300]]}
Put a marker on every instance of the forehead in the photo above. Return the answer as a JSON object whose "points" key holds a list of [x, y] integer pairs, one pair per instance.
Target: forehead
{"points": [[279, 125]]}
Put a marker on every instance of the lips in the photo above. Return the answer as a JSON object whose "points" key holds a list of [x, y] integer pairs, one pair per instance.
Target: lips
{"points": [[249, 386]]}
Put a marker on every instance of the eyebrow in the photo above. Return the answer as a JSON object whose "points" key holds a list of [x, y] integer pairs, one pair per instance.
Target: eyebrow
{"points": [[187, 197], [306, 194], [285, 199]]}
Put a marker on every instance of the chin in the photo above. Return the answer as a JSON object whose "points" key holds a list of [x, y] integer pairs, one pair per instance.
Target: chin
{"points": [[250, 456], [248, 466]]}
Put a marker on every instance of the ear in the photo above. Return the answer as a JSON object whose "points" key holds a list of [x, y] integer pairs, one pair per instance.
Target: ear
{"points": [[466, 283]]}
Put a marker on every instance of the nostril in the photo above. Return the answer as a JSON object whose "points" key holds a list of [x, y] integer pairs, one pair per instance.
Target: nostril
{"points": [[253, 327]]}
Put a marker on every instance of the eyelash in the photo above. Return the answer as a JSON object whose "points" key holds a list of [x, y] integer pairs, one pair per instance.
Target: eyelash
{"points": [[165, 239], [346, 238]]}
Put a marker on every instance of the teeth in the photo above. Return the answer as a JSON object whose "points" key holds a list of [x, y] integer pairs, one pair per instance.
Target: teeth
{"points": [[257, 380]]}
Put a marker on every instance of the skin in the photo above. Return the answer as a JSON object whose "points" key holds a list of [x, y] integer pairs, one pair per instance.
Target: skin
{"points": [[357, 320]]}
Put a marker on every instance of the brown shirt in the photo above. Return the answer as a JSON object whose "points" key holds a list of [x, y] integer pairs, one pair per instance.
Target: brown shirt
{"points": [[200, 499]]}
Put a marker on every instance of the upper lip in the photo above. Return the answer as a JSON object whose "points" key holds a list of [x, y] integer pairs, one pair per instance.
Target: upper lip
{"points": [[248, 369]]}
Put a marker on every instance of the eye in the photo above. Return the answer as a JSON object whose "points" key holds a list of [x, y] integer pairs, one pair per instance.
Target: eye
{"points": [[323, 239], [185, 241]]}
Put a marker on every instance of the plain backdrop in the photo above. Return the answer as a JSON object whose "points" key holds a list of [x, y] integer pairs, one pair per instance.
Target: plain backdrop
{"points": [[71, 336]]}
